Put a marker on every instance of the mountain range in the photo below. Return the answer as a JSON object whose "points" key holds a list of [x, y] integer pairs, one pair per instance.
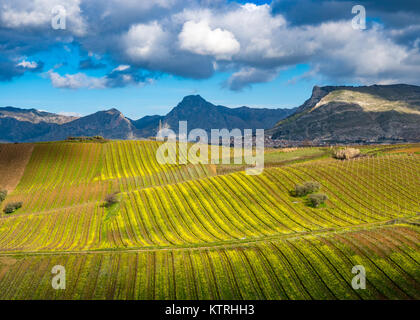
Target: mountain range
{"points": [[29, 125], [333, 114]]}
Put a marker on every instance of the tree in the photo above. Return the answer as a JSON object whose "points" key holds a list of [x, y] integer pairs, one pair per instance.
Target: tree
{"points": [[111, 199], [12, 207], [316, 199], [3, 195], [306, 188], [312, 186]]}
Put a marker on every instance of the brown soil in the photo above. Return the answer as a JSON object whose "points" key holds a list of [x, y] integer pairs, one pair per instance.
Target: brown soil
{"points": [[407, 150], [13, 161], [5, 264]]}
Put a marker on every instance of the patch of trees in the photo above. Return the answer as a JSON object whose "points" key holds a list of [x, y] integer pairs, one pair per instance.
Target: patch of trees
{"points": [[310, 189], [346, 153], [12, 207]]}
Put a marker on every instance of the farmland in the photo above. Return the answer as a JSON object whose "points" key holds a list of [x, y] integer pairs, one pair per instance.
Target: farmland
{"points": [[207, 231]]}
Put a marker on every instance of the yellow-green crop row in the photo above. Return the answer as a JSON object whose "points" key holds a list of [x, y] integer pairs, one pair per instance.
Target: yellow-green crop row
{"points": [[310, 267], [179, 232], [234, 207]]}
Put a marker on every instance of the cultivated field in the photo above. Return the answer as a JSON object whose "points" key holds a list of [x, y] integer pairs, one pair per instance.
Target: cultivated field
{"points": [[205, 231]]}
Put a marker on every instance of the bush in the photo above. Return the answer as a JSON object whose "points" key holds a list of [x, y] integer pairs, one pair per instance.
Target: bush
{"points": [[3, 195], [111, 199], [300, 190], [306, 188], [312, 186], [346, 153], [12, 207], [316, 199]]}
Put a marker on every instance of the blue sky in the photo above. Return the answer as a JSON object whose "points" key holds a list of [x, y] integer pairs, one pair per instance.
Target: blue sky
{"points": [[144, 60], [35, 91]]}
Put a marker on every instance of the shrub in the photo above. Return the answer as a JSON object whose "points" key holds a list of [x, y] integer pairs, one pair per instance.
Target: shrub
{"points": [[87, 139], [312, 186], [346, 153], [299, 190], [3, 195], [111, 199], [12, 207], [317, 199], [306, 188]]}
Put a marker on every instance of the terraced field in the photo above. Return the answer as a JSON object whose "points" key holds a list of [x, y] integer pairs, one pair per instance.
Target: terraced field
{"points": [[190, 232]]}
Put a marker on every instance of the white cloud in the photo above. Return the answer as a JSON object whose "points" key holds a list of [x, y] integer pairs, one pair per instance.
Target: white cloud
{"points": [[28, 64], [76, 81], [38, 13], [121, 67], [194, 39], [145, 42], [114, 79], [201, 39], [367, 57]]}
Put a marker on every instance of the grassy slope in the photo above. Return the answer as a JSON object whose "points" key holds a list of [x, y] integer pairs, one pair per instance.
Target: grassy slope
{"points": [[369, 102], [179, 233]]}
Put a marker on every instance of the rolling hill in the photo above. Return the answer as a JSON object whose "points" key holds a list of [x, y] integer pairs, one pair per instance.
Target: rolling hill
{"points": [[192, 232]]}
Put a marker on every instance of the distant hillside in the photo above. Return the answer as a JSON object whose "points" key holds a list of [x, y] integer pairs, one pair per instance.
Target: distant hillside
{"points": [[34, 116], [378, 113], [202, 114], [28, 124], [111, 124], [20, 125]]}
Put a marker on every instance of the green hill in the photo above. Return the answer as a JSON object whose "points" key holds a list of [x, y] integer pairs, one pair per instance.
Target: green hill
{"points": [[205, 232]]}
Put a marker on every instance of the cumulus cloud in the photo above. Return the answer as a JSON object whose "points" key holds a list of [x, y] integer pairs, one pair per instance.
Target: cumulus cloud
{"points": [[191, 38], [39, 13], [201, 39], [119, 77], [310, 12], [145, 42], [366, 57], [9, 70], [247, 76], [76, 81], [28, 64], [152, 47]]}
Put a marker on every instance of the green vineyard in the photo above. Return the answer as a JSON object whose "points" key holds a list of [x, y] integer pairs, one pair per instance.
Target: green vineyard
{"points": [[207, 231]]}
